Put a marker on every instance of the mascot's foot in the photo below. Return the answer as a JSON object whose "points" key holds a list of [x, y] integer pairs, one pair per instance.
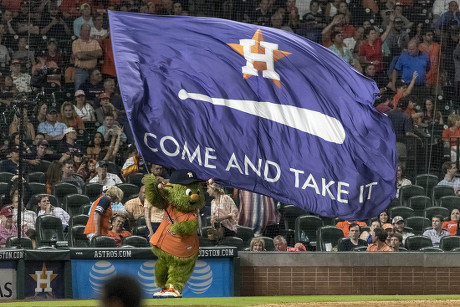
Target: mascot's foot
{"points": [[159, 294], [171, 293]]}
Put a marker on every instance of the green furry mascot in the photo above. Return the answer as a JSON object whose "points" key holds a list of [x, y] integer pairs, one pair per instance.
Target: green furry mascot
{"points": [[175, 242]]}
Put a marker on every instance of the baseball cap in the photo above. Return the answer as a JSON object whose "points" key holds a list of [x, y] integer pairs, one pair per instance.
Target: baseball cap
{"points": [[397, 219], [68, 130], [183, 176], [80, 92], [15, 61], [104, 95], [43, 142], [51, 110], [387, 225], [6, 211], [101, 163], [83, 6]]}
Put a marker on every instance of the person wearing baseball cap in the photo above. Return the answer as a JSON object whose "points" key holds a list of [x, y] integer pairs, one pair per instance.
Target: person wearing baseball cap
{"points": [[51, 128], [21, 80], [82, 108], [7, 228], [399, 224], [69, 146], [103, 177], [85, 18], [12, 164]]}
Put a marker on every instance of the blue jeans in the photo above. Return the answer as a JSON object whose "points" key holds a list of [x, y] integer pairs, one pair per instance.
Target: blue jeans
{"points": [[81, 75]]}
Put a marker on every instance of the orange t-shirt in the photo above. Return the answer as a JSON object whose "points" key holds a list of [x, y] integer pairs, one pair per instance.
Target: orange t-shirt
{"points": [[451, 227], [434, 52], [396, 99], [448, 133], [172, 243], [374, 248], [105, 218], [345, 226]]}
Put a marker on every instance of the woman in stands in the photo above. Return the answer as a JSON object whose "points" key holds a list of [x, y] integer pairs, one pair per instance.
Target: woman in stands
{"points": [[14, 141], [96, 146], [224, 212], [69, 117], [257, 245], [452, 225], [53, 175], [8, 90], [400, 179], [39, 114], [430, 116], [118, 232], [82, 108], [384, 218], [30, 131], [451, 135]]}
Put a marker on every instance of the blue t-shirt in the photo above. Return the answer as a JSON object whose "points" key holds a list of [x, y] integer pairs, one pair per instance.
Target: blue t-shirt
{"points": [[103, 204], [407, 64]]}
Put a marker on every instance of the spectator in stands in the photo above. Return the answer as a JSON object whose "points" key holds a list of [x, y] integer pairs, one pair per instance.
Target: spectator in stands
{"points": [[451, 135], [159, 172], [449, 18], [257, 245], [400, 179], [7, 20], [101, 213], [340, 49], [86, 52], [53, 25], [261, 16], [69, 145], [39, 117], [118, 232], [452, 224], [69, 117], [395, 241], [370, 51], [7, 91], [430, 115], [4, 53], [399, 224], [402, 89], [277, 23], [398, 38], [84, 19], [437, 232], [41, 152], [87, 169], [103, 177], [95, 146], [12, 164], [83, 109], [28, 217], [52, 129], [97, 32], [353, 239], [93, 87], [456, 60], [153, 217], [256, 211], [20, 80], [8, 227], [117, 206], [135, 207], [380, 79], [29, 128], [379, 245], [53, 175], [46, 208], [433, 49], [106, 108], [298, 247], [449, 169], [69, 176], [413, 61], [369, 236], [111, 129], [52, 54], [224, 212], [440, 7], [384, 218], [345, 225], [131, 165], [24, 55], [280, 243]]}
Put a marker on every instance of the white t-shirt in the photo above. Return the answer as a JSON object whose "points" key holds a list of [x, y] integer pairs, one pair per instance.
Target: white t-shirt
{"points": [[85, 112]]}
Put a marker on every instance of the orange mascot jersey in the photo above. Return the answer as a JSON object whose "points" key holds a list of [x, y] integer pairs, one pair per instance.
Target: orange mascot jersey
{"points": [[103, 206], [172, 243]]}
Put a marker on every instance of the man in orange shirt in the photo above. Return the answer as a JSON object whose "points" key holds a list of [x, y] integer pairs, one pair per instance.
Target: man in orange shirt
{"points": [[379, 245]]}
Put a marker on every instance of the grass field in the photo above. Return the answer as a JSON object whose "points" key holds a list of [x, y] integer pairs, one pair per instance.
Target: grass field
{"points": [[248, 301]]}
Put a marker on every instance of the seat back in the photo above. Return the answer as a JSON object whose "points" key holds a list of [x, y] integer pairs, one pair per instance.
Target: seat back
{"points": [[233, 241], [427, 181], [128, 190], [37, 188], [140, 221], [140, 230], [77, 238], [48, 229], [402, 211], [4, 188], [407, 191], [103, 241], [419, 203], [289, 215], [62, 189], [269, 245], [73, 203], [245, 233], [14, 242], [85, 209], [449, 202], [306, 227], [418, 224], [42, 166], [135, 241], [431, 211], [414, 243], [328, 237], [135, 179], [6, 176], [35, 176], [79, 219], [93, 190], [440, 191], [430, 250], [449, 243]]}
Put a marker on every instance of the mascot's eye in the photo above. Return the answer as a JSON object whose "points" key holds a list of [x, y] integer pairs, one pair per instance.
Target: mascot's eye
{"points": [[188, 192], [198, 192]]}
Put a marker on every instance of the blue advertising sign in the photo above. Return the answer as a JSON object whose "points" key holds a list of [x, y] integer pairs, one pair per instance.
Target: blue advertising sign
{"points": [[211, 277]]}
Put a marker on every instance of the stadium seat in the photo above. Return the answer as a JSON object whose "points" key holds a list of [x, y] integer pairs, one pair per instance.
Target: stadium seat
{"points": [[5, 176], [79, 219], [430, 250], [135, 179], [205, 242], [456, 250], [73, 202], [360, 249], [37, 188], [128, 190], [35, 176], [26, 243], [62, 189], [85, 209], [42, 167], [440, 191], [269, 245], [77, 238], [93, 190], [308, 225], [232, 241], [245, 233], [288, 217], [403, 211], [394, 203], [103, 241], [431, 211], [418, 224], [49, 229], [328, 235], [449, 243], [135, 241], [140, 230], [450, 202], [112, 168], [407, 191], [419, 203], [427, 181], [4, 188], [414, 243]]}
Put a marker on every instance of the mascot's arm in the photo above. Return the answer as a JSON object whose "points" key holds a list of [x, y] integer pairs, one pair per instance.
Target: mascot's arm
{"points": [[153, 194], [185, 228]]}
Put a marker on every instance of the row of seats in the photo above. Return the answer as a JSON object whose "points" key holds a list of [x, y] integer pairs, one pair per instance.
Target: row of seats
{"points": [[406, 193]]}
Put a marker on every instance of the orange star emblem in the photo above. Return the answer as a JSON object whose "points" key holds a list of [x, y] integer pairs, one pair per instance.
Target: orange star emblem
{"points": [[43, 279], [260, 56]]}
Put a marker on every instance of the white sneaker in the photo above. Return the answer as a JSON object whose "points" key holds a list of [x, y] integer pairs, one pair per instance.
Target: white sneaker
{"points": [[171, 293], [159, 294]]}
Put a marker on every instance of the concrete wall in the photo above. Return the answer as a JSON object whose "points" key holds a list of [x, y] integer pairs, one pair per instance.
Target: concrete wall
{"points": [[320, 273]]}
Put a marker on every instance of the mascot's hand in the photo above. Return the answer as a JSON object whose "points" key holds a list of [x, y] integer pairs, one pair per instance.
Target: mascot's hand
{"points": [[154, 192], [186, 228]]}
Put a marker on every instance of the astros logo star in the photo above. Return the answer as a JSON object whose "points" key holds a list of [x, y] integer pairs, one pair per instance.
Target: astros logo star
{"points": [[260, 56]]}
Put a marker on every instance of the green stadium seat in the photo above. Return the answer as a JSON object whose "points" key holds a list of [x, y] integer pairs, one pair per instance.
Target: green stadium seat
{"points": [[449, 243], [48, 229], [62, 189], [85, 209], [419, 203], [42, 167], [35, 176], [74, 202], [418, 224], [328, 236], [136, 179], [37, 188], [26, 243], [440, 191], [431, 211], [430, 250], [360, 249], [308, 225], [80, 219], [414, 243], [103, 241], [93, 190], [205, 242], [140, 230], [269, 245], [450, 202], [245, 233], [77, 238], [5, 176], [427, 181], [128, 190], [403, 211], [288, 217], [135, 241], [407, 191], [140, 221], [232, 241], [4, 188]]}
